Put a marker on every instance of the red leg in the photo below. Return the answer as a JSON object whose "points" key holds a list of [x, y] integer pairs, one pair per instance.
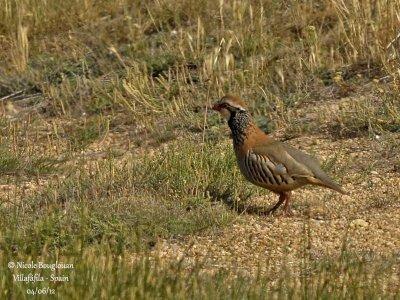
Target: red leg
{"points": [[282, 198], [287, 207]]}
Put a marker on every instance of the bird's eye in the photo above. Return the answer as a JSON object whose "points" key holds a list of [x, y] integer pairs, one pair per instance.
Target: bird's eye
{"points": [[224, 105]]}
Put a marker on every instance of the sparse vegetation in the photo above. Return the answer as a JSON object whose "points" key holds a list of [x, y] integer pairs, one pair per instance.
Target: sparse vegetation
{"points": [[111, 160]]}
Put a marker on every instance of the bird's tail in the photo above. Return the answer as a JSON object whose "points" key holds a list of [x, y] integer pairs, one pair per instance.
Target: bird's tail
{"points": [[336, 188], [325, 181], [329, 183]]}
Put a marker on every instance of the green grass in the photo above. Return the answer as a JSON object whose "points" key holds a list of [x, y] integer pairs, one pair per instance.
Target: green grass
{"points": [[163, 196], [30, 164], [97, 274]]}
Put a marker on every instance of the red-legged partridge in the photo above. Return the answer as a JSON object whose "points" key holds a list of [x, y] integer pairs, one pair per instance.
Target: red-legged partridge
{"points": [[266, 162]]}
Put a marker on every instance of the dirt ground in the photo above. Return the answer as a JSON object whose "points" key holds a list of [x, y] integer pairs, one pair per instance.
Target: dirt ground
{"points": [[365, 223]]}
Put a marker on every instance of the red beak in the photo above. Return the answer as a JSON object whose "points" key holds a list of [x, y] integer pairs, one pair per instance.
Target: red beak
{"points": [[216, 107]]}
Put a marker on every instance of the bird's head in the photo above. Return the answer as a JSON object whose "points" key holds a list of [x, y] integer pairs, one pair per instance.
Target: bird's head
{"points": [[229, 105]]}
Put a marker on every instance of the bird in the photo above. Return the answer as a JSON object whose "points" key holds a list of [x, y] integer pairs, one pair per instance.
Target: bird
{"points": [[267, 162]]}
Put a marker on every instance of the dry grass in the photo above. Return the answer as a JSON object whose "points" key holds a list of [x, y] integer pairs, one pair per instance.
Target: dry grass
{"points": [[110, 159]]}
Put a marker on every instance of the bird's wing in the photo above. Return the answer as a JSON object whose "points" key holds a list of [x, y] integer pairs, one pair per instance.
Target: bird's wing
{"points": [[279, 155], [295, 163]]}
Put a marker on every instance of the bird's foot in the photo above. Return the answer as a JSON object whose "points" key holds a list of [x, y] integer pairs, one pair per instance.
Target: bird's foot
{"points": [[284, 212], [271, 211], [275, 207], [288, 212]]}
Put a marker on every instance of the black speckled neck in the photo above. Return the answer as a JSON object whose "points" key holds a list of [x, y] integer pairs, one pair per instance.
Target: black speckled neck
{"points": [[238, 123]]}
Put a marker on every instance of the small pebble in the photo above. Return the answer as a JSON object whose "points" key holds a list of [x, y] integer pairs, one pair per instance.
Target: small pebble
{"points": [[358, 223]]}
